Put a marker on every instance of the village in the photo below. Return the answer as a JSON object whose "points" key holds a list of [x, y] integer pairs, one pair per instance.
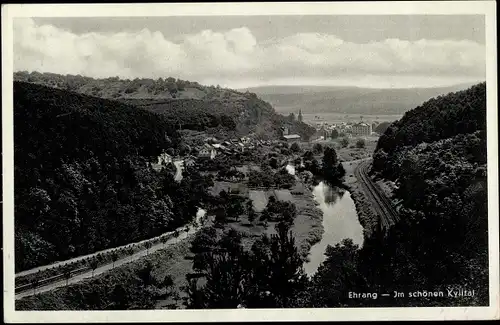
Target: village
{"points": [[325, 133]]}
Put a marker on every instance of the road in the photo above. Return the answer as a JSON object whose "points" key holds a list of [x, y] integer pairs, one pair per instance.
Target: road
{"points": [[126, 259], [380, 202]]}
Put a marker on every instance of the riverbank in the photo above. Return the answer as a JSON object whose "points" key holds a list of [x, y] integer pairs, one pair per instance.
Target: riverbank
{"points": [[366, 215], [308, 225]]}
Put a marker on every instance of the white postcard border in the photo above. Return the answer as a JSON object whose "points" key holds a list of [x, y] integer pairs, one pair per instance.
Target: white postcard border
{"points": [[488, 8]]}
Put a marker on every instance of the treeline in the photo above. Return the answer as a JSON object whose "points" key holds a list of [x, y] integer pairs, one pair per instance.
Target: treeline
{"points": [[112, 87], [83, 180]]}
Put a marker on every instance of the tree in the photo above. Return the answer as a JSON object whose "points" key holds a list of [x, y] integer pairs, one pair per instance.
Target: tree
{"points": [[67, 273], [235, 207], [338, 273], [335, 134], [120, 298], [114, 257], [295, 147], [145, 274], [318, 148], [273, 162], [231, 241], [147, 245], [204, 242], [344, 142], [34, 284], [93, 263], [308, 155], [251, 216], [164, 240], [276, 271], [360, 143]]}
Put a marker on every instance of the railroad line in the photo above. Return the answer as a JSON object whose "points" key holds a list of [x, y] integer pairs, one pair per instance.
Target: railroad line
{"points": [[380, 202]]}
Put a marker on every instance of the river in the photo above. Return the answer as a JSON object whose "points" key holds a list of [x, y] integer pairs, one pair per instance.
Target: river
{"points": [[340, 221], [179, 165]]}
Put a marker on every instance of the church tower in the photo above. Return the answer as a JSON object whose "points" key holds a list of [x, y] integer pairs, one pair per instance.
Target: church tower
{"points": [[300, 116]]}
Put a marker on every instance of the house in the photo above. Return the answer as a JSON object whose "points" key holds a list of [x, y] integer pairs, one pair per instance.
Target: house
{"points": [[211, 140], [189, 161], [207, 151], [361, 129], [292, 137], [164, 159]]}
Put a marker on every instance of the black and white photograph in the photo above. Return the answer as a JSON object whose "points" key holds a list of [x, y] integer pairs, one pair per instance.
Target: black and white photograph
{"points": [[255, 161]]}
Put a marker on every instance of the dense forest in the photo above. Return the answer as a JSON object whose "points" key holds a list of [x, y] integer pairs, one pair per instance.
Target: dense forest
{"points": [[436, 154], [82, 171], [219, 111]]}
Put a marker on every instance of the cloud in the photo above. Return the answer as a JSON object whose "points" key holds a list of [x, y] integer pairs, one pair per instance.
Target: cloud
{"points": [[236, 57]]}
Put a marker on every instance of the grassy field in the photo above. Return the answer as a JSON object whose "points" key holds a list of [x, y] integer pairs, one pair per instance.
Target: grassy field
{"points": [[259, 199]]}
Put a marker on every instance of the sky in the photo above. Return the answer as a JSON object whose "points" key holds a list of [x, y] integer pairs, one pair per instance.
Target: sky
{"points": [[248, 51]]}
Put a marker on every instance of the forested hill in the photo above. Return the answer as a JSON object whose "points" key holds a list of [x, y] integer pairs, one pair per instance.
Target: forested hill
{"points": [[82, 172], [436, 154], [188, 104]]}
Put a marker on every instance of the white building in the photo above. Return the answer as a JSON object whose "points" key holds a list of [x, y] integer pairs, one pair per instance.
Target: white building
{"points": [[361, 129], [207, 151], [292, 137]]}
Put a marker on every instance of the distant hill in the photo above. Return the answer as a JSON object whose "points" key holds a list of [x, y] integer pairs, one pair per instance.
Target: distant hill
{"points": [[323, 99], [189, 105]]}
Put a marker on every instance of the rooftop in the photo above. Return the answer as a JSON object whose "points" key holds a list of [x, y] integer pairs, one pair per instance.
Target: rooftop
{"points": [[291, 136]]}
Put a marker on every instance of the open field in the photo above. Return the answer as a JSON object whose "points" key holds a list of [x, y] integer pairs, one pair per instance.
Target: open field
{"points": [[226, 186], [259, 199]]}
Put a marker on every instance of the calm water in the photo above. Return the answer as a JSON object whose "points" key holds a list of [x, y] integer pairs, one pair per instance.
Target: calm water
{"points": [[340, 221]]}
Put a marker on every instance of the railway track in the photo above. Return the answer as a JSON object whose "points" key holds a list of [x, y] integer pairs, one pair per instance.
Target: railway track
{"points": [[381, 203]]}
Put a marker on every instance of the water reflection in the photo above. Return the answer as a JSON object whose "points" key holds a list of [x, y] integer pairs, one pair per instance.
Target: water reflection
{"points": [[332, 194], [340, 221]]}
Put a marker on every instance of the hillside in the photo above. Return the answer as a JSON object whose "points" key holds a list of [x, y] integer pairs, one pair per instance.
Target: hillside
{"points": [[218, 111], [436, 155], [348, 100], [81, 172]]}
